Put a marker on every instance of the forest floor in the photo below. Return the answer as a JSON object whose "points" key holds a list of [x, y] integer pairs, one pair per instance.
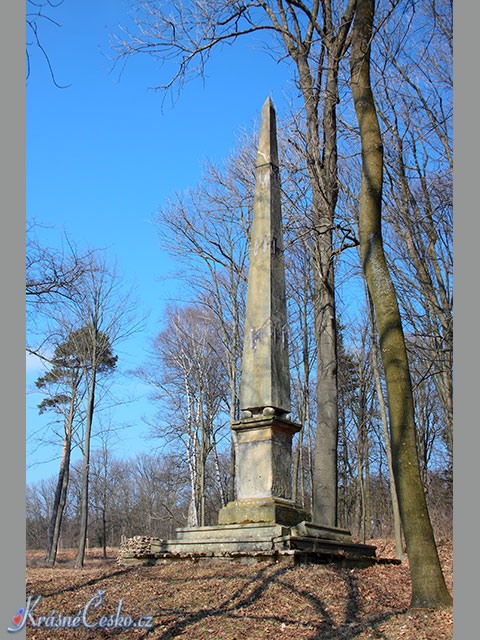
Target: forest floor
{"points": [[227, 601]]}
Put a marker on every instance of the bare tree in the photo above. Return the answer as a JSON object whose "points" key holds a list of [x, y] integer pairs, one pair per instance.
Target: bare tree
{"points": [[188, 375], [51, 279], [433, 446], [299, 283], [109, 316], [37, 512], [412, 73], [95, 316], [363, 414], [206, 229], [428, 583], [161, 493], [64, 389], [102, 488], [419, 212], [315, 39], [38, 12], [95, 353], [51, 274]]}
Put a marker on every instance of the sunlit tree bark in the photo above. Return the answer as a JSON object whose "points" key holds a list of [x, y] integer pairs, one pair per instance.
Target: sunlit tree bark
{"points": [[428, 584]]}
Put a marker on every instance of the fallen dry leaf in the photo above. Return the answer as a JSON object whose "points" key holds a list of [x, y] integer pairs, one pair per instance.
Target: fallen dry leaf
{"points": [[230, 601]]}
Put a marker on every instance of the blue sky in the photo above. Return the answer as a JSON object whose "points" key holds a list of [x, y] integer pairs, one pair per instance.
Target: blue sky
{"points": [[102, 156]]}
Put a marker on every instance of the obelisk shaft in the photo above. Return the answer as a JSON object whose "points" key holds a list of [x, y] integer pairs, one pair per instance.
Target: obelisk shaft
{"points": [[265, 380], [263, 434]]}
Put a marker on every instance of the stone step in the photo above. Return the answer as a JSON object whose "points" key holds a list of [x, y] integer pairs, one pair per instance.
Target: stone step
{"points": [[251, 531]]}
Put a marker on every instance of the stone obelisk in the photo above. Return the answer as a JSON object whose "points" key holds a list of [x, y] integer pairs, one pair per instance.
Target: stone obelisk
{"points": [[263, 435], [263, 520], [265, 380]]}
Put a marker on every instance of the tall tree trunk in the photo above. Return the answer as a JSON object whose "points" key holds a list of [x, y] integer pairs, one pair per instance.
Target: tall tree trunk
{"points": [[368, 493], [397, 523], [428, 583], [344, 479], [322, 168], [104, 532], [232, 341], [193, 472], [82, 542], [310, 452], [104, 506], [60, 496], [204, 446], [363, 465], [432, 282], [304, 409], [223, 497], [325, 494]]}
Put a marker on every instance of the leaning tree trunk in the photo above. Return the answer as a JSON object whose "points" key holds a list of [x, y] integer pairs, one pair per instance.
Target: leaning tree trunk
{"points": [[428, 583], [60, 494]]}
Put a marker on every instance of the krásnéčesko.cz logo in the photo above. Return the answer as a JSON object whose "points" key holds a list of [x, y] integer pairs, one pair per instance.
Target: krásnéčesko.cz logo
{"points": [[85, 617]]}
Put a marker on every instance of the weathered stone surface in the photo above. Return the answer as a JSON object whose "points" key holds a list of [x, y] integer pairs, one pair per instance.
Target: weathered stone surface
{"points": [[227, 539], [260, 541], [313, 530], [264, 457], [270, 510], [265, 378], [263, 437], [251, 531]]}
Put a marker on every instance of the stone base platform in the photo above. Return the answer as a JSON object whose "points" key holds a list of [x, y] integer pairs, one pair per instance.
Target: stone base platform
{"points": [[305, 542], [262, 510]]}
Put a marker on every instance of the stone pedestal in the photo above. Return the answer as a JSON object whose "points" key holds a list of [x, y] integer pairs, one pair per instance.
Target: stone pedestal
{"points": [[272, 511], [253, 542], [263, 455], [263, 523]]}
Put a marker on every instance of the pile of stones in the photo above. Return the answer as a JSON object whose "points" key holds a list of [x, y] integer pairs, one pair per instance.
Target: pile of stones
{"points": [[135, 547]]}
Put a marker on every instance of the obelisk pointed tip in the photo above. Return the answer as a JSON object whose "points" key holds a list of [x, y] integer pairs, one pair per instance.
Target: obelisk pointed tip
{"points": [[267, 144], [268, 104]]}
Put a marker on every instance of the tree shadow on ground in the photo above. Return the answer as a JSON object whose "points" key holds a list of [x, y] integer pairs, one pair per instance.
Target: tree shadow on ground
{"points": [[76, 586], [353, 624], [233, 608]]}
